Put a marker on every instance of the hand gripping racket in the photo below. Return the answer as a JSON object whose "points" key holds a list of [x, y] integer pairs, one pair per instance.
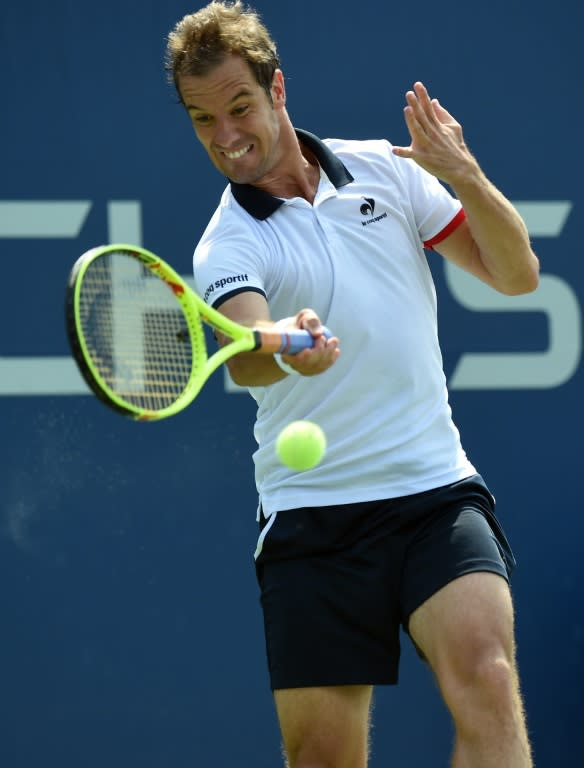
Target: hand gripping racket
{"points": [[136, 332]]}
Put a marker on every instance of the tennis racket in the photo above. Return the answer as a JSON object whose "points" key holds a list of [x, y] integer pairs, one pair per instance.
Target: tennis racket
{"points": [[136, 330]]}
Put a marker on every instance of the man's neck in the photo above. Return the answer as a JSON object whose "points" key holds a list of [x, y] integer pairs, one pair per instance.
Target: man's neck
{"points": [[297, 175]]}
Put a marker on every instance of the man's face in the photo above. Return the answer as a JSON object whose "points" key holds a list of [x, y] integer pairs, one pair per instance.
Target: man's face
{"points": [[234, 119]]}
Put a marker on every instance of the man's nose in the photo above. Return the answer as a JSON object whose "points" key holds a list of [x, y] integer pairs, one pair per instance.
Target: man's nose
{"points": [[225, 133]]}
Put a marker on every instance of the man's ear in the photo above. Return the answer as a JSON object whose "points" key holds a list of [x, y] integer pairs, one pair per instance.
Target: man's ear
{"points": [[278, 89]]}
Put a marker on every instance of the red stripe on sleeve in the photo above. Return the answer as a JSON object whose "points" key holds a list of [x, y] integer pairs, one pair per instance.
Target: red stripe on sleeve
{"points": [[448, 230]]}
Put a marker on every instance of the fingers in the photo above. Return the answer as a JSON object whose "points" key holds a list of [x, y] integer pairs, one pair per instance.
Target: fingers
{"points": [[423, 110], [308, 320], [419, 116], [318, 359], [436, 137], [419, 111], [321, 355], [441, 113], [418, 97]]}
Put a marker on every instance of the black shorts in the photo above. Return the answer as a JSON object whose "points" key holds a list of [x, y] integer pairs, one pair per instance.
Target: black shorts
{"points": [[337, 582]]}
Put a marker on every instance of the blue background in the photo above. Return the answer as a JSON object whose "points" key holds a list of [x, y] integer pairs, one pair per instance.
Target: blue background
{"points": [[130, 627]]}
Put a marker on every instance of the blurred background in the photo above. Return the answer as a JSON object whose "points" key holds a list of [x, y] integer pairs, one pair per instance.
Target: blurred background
{"points": [[130, 628]]}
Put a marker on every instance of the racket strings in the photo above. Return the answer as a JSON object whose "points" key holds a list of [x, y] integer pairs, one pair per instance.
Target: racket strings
{"points": [[136, 333]]}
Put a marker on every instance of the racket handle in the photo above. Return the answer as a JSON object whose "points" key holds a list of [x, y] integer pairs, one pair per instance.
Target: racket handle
{"points": [[285, 342], [295, 341]]}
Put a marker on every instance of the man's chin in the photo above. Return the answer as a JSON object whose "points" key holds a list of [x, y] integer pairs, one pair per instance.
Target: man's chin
{"points": [[242, 177]]}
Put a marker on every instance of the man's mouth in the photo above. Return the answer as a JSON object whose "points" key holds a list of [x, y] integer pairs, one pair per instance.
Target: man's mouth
{"points": [[239, 153]]}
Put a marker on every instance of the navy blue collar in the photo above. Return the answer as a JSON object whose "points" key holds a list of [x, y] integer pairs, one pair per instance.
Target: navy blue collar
{"points": [[261, 205]]}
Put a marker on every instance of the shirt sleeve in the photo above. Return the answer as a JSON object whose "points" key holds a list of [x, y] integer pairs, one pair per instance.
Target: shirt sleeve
{"points": [[227, 261], [447, 230], [436, 211]]}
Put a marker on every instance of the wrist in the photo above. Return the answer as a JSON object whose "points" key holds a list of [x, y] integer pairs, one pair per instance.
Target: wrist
{"points": [[284, 366]]}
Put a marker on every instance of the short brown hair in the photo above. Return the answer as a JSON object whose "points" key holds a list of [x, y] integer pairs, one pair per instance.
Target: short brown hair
{"points": [[202, 40]]}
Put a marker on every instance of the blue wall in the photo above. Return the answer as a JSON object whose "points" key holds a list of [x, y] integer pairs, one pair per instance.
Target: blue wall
{"points": [[130, 627]]}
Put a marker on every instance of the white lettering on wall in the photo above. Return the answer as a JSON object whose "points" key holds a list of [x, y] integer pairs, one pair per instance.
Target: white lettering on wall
{"points": [[554, 297], [52, 375]]}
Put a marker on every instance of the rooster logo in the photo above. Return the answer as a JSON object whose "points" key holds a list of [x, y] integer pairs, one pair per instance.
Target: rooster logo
{"points": [[368, 207]]}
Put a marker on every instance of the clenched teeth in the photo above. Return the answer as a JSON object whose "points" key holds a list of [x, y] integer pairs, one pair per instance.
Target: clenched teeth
{"points": [[239, 153]]}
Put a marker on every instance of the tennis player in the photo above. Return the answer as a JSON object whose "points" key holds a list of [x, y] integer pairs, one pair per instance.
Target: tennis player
{"points": [[395, 528]]}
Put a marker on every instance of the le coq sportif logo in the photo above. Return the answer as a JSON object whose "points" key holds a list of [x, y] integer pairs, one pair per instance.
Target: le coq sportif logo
{"points": [[368, 207], [367, 210]]}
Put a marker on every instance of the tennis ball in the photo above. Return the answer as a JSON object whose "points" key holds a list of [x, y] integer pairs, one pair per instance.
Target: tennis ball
{"points": [[301, 445]]}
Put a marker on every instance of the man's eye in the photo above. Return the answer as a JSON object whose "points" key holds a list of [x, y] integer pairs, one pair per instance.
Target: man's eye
{"points": [[241, 110], [201, 119]]}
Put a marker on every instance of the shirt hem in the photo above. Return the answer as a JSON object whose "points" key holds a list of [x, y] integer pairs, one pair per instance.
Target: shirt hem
{"points": [[280, 501]]}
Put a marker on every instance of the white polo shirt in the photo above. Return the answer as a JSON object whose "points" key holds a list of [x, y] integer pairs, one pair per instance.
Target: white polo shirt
{"points": [[356, 256]]}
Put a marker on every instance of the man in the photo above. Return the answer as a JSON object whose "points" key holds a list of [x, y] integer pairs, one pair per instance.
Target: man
{"points": [[395, 527]]}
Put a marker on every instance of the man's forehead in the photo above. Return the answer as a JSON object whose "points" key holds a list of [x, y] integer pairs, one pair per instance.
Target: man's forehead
{"points": [[225, 80]]}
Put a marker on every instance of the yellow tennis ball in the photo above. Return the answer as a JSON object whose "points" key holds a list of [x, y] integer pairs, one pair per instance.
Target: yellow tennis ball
{"points": [[301, 445]]}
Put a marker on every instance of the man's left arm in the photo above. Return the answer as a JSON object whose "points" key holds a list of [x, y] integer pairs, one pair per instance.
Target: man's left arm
{"points": [[492, 243]]}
